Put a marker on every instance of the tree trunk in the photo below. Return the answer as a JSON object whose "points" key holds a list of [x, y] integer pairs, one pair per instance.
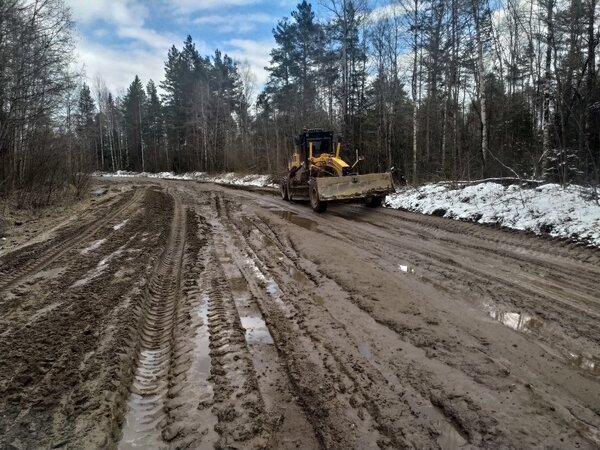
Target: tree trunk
{"points": [[414, 90], [480, 79], [547, 85]]}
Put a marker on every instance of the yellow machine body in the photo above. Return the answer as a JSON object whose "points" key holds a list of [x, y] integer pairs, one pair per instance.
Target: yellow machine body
{"points": [[319, 174]]}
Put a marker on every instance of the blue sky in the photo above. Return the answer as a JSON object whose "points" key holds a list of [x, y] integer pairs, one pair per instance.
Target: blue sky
{"points": [[118, 39]]}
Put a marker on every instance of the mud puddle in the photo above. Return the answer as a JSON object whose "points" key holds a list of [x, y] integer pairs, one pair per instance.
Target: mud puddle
{"points": [[405, 268], [526, 323], [295, 219], [144, 405], [270, 285], [200, 388], [256, 330], [120, 225], [99, 269], [585, 362]]}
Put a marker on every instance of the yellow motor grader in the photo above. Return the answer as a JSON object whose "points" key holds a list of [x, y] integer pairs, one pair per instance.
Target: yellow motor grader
{"points": [[317, 173]]}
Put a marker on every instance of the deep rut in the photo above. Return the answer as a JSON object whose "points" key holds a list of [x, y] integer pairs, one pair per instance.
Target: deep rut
{"points": [[145, 415]]}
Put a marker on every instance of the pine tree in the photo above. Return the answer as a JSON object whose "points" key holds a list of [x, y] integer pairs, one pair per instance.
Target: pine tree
{"points": [[134, 111], [154, 129], [86, 129]]}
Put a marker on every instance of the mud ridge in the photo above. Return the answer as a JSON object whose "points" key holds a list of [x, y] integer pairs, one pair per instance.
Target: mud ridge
{"points": [[13, 274], [238, 404]]}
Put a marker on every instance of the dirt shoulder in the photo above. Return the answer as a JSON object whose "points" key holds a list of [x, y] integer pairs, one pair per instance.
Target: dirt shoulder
{"points": [[19, 227]]}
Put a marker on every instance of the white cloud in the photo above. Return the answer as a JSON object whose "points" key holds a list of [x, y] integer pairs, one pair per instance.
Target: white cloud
{"points": [[149, 37], [121, 12], [141, 50], [256, 53], [119, 66], [188, 6], [101, 32], [387, 11], [234, 23]]}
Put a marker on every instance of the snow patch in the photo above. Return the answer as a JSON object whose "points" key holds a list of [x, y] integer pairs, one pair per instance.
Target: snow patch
{"points": [[569, 212], [93, 246], [120, 225], [226, 178]]}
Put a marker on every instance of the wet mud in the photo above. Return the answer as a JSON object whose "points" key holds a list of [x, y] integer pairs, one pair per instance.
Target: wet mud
{"points": [[186, 315]]}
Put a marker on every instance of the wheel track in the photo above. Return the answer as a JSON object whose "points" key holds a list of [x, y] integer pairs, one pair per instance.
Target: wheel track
{"points": [[237, 400], [191, 422], [289, 426], [585, 274], [293, 338], [440, 403], [526, 296], [487, 286], [36, 263], [146, 416], [479, 278], [450, 402]]}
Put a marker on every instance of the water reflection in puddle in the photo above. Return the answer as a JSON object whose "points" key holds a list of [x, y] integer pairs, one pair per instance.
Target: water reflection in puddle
{"points": [[120, 225], [365, 350], [93, 246], [405, 269], [296, 219], [271, 286], [517, 321], [585, 362], [524, 322], [256, 330]]}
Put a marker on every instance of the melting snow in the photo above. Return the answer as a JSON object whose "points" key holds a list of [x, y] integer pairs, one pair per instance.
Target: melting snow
{"points": [[569, 212], [93, 246], [227, 178], [120, 225]]}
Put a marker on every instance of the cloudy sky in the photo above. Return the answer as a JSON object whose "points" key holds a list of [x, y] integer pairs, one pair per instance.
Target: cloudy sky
{"points": [[118, 39]]}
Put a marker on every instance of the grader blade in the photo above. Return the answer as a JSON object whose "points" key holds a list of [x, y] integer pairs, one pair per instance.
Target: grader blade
{"points": [[354, 186]]}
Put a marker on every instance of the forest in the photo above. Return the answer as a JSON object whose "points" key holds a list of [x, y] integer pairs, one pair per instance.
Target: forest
{"points": [[432, 89]]}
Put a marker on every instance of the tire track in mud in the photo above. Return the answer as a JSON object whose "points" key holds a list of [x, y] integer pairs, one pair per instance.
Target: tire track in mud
{"points": [[238, 404], [509, 243], [331, 397], [440, 270], [516, 248], [451, 412], [34, 263], [145, 416], [287, 424], [64, 360], [190, 419]]}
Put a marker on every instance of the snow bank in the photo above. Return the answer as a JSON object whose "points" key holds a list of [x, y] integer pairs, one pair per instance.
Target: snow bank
{"points": [[571, 212], [243, 180], [227, 178]]}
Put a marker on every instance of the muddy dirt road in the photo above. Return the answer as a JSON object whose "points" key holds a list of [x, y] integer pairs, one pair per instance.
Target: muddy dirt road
{"points": [[186, 315]]}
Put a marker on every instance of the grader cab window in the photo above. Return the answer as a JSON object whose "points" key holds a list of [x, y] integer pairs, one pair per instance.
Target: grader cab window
{"points": [[321, 146]]}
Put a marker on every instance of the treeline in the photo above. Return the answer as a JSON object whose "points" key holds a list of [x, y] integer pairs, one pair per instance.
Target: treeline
{"points": [[36, 85], [437, 89], [200, 122], [444, 88]]}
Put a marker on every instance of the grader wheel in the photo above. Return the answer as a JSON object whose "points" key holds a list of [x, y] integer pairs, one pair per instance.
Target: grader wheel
{"points": [[373, 202], [313, 194]]}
